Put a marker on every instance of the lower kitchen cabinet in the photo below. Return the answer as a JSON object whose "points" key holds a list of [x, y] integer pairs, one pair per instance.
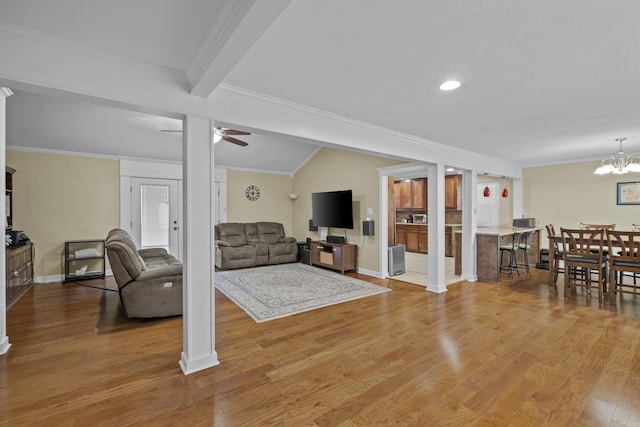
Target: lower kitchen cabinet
{"points": [[415, 237]]}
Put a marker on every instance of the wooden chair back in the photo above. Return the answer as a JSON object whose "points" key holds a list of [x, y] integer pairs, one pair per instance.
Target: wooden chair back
{"points": [[584, 226], [583, 244], [552, 232], [624, 247]]}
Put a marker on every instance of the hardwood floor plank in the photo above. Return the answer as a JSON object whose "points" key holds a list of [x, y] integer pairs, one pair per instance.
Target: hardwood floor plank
{"points": [[480, 354]]}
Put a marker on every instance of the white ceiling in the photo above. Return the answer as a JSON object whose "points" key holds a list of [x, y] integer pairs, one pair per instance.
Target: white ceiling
{"points": [[542, 82]]}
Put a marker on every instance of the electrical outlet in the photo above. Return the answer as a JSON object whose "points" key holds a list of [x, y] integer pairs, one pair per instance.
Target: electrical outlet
{"points": [[168, 284], [73, 263]]}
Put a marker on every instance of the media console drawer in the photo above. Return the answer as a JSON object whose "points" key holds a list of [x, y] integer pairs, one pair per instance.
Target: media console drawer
{"points": [[337, 256]]}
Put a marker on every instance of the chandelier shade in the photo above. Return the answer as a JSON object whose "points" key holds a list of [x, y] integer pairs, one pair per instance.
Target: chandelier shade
{"points": [[619, 163]]}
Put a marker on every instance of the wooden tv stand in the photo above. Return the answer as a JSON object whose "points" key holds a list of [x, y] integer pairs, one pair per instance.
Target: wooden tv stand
{"points": [[337, 256]]}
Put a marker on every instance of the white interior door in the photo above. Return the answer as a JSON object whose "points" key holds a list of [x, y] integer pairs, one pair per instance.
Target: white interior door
{"points": [[155, 214]]}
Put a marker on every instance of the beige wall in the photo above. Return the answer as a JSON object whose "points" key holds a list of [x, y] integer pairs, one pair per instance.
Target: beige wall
{"points": [[566, 195], [331, 170], [58, 198], [272, 205]]}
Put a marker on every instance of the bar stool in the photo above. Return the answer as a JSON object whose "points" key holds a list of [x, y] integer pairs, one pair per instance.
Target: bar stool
{"points": [[510, 249], [524, 244]]}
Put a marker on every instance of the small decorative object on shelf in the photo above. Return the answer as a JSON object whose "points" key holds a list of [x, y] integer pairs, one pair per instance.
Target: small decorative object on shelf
{"points": [[84, 259]]}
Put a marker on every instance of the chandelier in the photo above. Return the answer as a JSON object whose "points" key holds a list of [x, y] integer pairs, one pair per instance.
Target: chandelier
{"points": [[619, 163]]}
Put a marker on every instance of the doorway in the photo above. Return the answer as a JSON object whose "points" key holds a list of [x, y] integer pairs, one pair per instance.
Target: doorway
{"points": [[155, 213]]}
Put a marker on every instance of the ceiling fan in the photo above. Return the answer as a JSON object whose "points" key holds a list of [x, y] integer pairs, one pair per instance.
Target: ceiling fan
{"points": [[223, 134]]}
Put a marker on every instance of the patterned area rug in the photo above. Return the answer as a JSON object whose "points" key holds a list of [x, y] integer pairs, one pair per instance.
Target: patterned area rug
{"points": [[275, 291]]}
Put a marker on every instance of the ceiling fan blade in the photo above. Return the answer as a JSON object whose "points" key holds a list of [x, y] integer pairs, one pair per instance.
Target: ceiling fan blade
{"points": [[234, 141], [235, 132]]}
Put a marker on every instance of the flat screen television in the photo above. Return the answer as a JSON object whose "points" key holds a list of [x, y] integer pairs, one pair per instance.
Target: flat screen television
{"points": [[332, 209]]}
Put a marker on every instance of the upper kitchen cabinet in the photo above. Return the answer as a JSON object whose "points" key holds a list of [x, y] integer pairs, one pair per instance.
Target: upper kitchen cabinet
{"points": [[403, 195], [419, 193], [411, 195], [452, 187]]}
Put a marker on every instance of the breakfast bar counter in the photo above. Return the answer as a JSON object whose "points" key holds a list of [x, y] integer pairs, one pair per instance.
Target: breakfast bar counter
{"points": [[488, 242]]}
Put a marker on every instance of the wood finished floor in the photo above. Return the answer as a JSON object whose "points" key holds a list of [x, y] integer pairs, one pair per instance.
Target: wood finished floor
{"points": [[480, 354]]}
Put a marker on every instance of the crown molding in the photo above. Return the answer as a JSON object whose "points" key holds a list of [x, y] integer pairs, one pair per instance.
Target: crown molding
{"points": [[60, 152], [5, 92]]}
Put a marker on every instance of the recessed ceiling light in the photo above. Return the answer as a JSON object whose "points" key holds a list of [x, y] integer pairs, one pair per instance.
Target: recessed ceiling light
{"points": [[450, 85]]}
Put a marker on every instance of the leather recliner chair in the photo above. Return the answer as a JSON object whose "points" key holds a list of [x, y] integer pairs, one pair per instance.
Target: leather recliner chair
{"points": [[149, 281]]}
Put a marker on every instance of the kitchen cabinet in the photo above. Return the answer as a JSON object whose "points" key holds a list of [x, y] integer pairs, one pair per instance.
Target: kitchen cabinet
{"points": [[448, 241], [415, 237], [401, 234], [452, 185], [419, 194], [403, 195], [411, 195]]}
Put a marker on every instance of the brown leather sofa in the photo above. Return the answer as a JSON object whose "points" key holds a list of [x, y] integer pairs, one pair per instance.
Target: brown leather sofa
{"points": [[149, 280], [243, 245]]}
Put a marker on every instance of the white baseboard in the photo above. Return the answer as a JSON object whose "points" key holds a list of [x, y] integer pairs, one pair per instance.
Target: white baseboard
{"points": [[370, 273]]}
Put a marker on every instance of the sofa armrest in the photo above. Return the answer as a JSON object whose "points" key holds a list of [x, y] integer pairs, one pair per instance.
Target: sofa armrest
{"points": [[288, 240], [152, 252], [221, 243], [156, 273]]}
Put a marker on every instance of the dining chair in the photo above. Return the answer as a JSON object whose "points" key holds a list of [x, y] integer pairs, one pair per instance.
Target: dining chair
{"points": [[583, 255], [624, 247], [584, 226], [557, 254]]}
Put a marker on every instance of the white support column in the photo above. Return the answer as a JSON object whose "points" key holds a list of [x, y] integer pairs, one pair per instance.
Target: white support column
{"points": [[469, 226], [436, 281], [4, 339], [198, 276]]}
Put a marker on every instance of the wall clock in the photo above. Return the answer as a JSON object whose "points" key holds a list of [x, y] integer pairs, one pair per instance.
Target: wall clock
{"points": [[252, 193]]}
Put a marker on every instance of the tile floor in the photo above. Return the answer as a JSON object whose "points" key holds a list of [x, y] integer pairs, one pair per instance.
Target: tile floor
{"points": [[417, 268]]}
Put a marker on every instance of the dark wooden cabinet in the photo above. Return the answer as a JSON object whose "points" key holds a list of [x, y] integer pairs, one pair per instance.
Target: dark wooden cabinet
{"points": [[19, 268], [415, 237], [448, 241], [401, 234], [403, 197], [411, 195], [337, 256], [419, 194], [451, 184]]}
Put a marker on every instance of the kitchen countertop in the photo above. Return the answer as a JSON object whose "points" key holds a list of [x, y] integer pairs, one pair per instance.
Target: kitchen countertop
{"points": [[424, 223], [503, 231]]}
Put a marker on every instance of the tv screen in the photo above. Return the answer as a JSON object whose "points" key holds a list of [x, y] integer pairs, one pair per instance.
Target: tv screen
{"points": [[332, 209]]}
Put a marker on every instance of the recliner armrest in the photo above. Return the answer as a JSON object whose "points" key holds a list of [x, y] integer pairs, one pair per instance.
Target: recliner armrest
{"points": [[288, 240], [156, 273], [152, 252], [222, 243]]}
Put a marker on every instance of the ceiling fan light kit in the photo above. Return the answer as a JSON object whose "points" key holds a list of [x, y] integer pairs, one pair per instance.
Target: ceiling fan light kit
{"points": [[619, 164]]}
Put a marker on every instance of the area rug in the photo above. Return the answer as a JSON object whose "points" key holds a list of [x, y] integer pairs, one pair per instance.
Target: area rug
{"points": [[276, 291]]}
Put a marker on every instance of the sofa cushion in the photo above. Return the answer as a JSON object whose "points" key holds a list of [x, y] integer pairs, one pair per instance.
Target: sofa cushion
{"points": [[270, 232], [232, 233]]}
